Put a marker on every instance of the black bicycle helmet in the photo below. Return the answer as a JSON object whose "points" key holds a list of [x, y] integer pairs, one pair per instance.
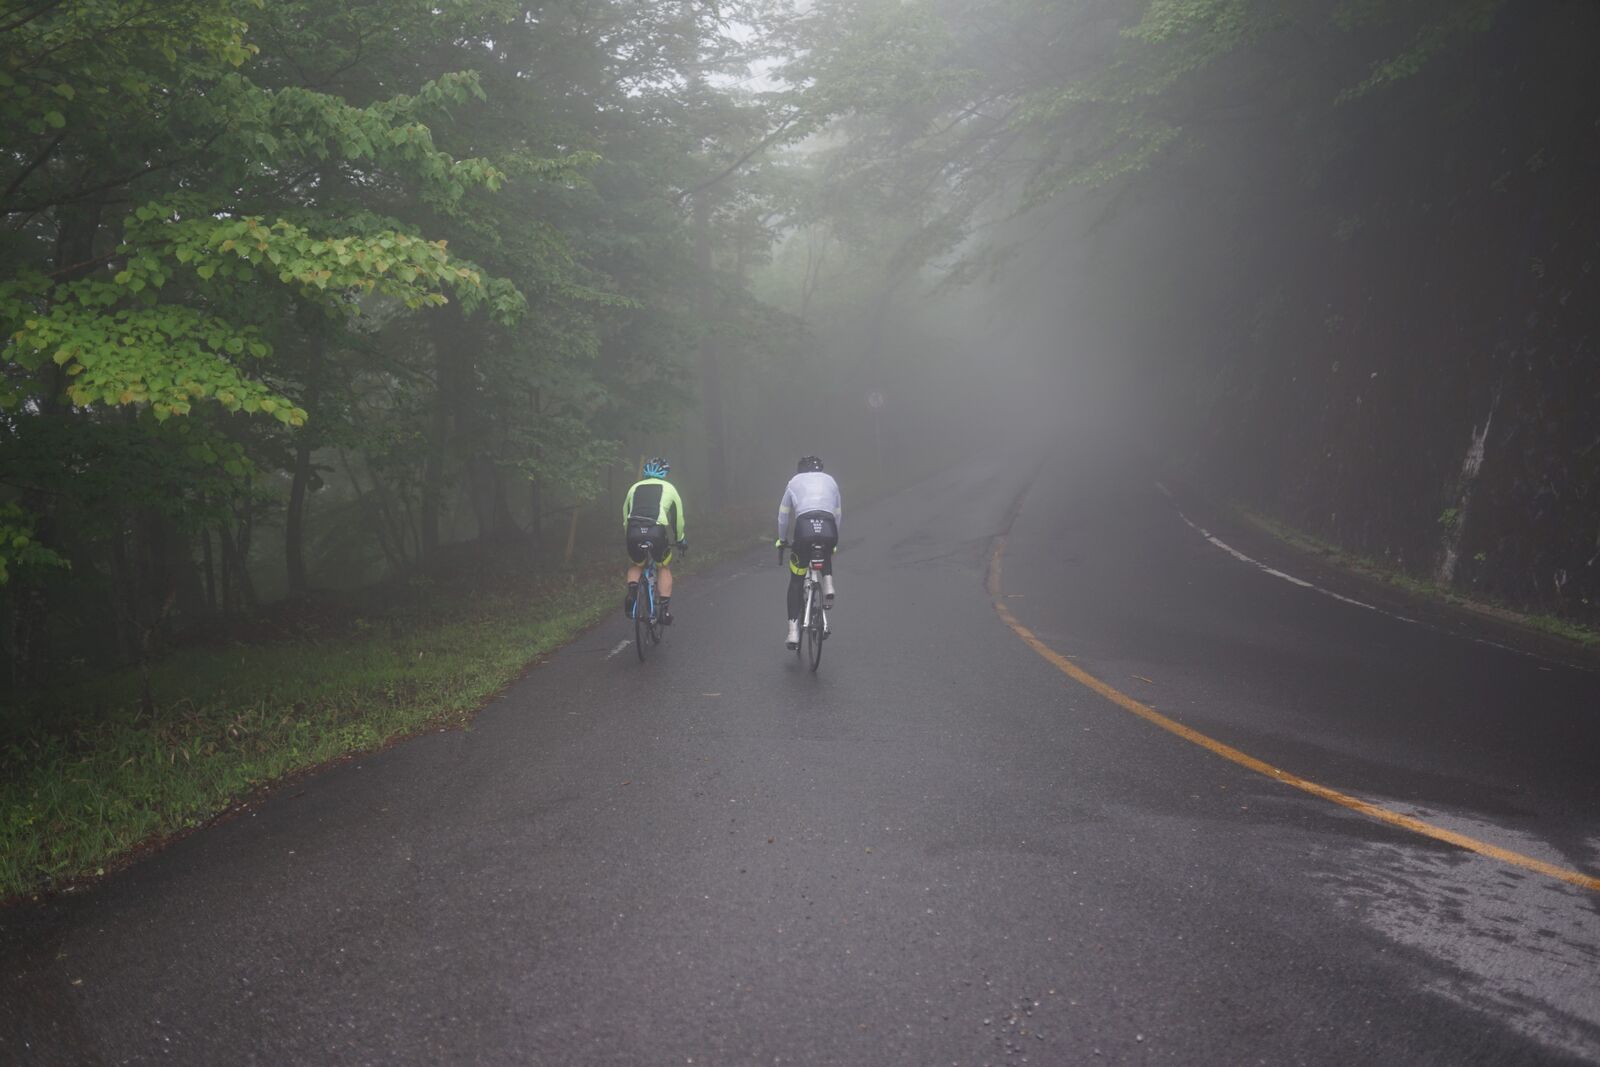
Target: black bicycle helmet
{"points": [[808, 463], [656, 467]]}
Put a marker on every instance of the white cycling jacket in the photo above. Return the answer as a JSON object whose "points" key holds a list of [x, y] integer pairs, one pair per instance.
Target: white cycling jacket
{"points": [[811, 491]]}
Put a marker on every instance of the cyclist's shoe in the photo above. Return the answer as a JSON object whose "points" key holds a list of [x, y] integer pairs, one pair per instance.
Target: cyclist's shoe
{"points": [[629, 598], [666, 614], [793, 640], [827, 590]]}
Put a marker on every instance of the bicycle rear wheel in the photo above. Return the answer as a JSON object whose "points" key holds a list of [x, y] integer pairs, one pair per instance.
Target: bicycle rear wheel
{"points": [[814, 631], [642, 606]]}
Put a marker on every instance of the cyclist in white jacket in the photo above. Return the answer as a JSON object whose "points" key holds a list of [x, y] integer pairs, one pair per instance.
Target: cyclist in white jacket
{"points": [[808, 519]]}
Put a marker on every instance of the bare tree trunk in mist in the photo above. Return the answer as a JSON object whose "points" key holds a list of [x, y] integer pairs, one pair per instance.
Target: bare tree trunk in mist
{"points": [[443, 326], [710, 357], [208, 561], [813, 276], [481, 491], [235, 542], [294, 519], [535, 489]]}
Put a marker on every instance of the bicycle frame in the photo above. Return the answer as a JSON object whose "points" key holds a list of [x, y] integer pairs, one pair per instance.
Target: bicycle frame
{"points": [[646, 612], [647, 582]]}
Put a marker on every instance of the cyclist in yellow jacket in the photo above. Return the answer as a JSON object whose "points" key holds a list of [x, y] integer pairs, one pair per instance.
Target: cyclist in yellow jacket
{"points": [[652, 515]]}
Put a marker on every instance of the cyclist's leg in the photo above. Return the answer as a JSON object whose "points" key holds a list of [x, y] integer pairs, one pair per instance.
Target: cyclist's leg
{"points": [[795, 597], [663, 557], [796, 605], [830, 544], [634, 571], [797, 589]]}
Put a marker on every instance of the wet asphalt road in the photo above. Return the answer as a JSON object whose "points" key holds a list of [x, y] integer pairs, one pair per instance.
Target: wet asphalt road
{"points": [[936, 850]]}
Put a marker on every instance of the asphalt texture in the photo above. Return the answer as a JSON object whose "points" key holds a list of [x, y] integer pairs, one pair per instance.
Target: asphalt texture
{"points": [[938, 849]]}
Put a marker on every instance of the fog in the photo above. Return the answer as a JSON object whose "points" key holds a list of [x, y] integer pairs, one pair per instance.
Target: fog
{"points": [[1301, 263], [1330, 262]]}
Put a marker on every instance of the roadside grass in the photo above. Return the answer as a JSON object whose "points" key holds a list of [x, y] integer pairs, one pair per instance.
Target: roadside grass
{"points": [[87, 778], [1377, 570]]}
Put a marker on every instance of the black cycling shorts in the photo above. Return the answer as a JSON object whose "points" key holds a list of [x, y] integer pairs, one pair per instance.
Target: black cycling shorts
{"points": [[816, 536], [648, 539]]}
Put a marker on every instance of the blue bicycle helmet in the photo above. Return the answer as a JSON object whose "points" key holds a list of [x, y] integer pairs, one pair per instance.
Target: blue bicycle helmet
{"points": [[656, 467]]}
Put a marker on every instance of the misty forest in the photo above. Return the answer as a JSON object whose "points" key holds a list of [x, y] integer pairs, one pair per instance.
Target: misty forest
{"points": [[334, 334]]}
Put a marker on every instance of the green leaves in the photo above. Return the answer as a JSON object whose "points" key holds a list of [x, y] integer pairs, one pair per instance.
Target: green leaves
{"points": [[292, 124], [165, 356], [322, 269], [87, 72], [19, 552]]}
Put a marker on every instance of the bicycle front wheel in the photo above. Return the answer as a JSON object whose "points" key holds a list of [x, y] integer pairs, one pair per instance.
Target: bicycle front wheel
{"points": [[641, 618]]}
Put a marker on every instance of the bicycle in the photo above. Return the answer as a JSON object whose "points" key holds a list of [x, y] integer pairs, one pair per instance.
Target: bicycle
{"points": [[647, 625], [814, 616]]}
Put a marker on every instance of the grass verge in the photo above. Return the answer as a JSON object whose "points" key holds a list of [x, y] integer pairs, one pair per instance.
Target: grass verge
{"points": [[87, 779], [1376, 570]]}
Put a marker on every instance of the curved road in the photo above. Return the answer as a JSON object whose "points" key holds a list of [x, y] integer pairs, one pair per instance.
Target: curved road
{"points": [[940, 849]]}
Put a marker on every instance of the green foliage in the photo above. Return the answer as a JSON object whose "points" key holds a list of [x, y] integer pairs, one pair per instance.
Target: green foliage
{"points": [[70, 66], [250, 195], [19, 550]]}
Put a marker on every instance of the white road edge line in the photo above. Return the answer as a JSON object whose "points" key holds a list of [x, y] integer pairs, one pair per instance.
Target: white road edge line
{"points": [[1236, 554], [622, 646]]}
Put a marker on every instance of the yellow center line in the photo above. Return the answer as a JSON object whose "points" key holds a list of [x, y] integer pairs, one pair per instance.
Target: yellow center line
{"points": [[1228, 752]]}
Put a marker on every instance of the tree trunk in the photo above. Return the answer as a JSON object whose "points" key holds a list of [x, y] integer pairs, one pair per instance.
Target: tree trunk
{"points": [[536, 506], [247, 586], [236, 559], [375, 513], [481, 489], [444, 327], [184, 579], [504, 525], [209, 564], [535, 489], [123, 599], [710, 356], [294, 519], [226, 576]]}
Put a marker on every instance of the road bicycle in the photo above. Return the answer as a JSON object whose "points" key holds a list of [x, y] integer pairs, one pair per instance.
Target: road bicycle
{"points": [[814, 615], [647, 624]]}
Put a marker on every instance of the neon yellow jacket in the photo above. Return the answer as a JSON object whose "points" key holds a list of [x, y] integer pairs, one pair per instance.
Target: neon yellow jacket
{"points": [[655, 500]]}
